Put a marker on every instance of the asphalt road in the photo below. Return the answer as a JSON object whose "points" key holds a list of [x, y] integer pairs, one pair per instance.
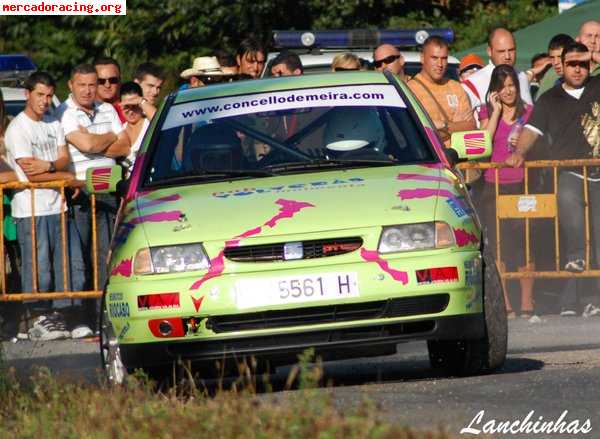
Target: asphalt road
{"points": [[553, 366]]}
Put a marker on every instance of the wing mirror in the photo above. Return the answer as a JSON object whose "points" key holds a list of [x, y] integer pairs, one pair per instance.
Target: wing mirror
{"points": [[472, 145]]}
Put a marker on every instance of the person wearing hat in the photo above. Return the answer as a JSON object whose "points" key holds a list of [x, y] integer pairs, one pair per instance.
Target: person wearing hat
{"points": [[205, 70], [469, 64]]}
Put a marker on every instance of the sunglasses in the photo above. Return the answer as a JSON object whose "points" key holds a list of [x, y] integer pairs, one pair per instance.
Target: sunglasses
{"points": [[387, 60], [112, 80], [211, 79], [344, 69], [131, 107], [581, 64]]}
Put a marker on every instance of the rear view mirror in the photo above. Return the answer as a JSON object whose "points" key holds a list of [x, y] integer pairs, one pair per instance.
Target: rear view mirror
{"points": [[472, 145], [103, 180]]}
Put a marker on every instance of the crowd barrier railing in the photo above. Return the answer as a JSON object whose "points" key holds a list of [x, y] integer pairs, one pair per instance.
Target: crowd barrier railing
{"points": [[529, 206], [62, 187]]}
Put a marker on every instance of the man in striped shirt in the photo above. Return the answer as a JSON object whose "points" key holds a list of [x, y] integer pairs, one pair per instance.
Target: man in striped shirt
{"points": [[96, 138]]}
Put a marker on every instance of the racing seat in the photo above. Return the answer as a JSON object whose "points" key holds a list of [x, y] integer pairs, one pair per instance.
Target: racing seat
{"points": [[213, 147]]}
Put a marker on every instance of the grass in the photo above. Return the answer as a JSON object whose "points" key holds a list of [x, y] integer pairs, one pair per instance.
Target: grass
{"points": [[50, 407]]}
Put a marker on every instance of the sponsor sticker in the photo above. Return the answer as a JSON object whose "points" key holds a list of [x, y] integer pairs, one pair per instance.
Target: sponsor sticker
{"points": [[118, 309], [210, 109]]}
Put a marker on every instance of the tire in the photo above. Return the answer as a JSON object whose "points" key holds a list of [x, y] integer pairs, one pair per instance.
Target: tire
{"points": [[110, 353], [471, 357]]}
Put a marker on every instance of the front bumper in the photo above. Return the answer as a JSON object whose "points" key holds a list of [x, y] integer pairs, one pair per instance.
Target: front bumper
{"points": [[337, 343]]}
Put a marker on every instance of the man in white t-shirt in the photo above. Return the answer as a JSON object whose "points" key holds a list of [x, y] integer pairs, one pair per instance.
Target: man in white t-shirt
{"points": [[96, 138], [501, 49], [37, 152]]}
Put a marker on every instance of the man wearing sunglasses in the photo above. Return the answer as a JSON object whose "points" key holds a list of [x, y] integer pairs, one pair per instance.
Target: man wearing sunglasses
{"points": [[387, 57], [205, 70], [568, 118], [109, 83]]}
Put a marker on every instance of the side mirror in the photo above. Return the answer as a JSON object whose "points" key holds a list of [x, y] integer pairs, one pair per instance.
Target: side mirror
{"points": [[472, 145], [103, 180]]}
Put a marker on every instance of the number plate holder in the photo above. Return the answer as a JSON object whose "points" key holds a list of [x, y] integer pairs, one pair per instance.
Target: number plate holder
{"points": [[253, 293]]}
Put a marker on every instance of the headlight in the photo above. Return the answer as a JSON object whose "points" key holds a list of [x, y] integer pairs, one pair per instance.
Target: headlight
{"points": [[171, 259], [408, 237]]}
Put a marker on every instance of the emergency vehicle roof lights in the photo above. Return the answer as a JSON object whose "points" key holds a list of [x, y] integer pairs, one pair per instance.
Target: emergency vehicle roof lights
{"points": [[14, 66], [357, 38]]}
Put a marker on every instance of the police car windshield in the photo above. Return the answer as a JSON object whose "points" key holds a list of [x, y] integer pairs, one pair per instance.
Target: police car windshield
{"points": [[287, 132]]}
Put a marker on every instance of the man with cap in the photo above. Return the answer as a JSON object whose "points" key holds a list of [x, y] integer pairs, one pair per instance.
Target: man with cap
{"points": [[469, 64], [205, 70]]}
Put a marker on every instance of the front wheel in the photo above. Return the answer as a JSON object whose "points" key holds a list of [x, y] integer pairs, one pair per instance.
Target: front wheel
{"points": [[470, 357], [109, 349]]}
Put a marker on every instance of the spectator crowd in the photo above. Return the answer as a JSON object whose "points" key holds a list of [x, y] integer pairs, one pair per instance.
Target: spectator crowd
{"points": [[550, 111]]}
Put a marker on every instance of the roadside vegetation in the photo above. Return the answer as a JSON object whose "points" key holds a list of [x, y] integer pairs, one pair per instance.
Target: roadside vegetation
{"points": [[49, 407]]}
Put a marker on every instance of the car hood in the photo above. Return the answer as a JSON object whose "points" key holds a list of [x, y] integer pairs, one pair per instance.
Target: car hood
{"points": [[291, 204]]}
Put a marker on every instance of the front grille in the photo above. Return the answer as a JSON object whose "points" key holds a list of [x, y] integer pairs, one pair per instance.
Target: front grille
{"points": [[218, 349], [318, 248], [398, 307]]}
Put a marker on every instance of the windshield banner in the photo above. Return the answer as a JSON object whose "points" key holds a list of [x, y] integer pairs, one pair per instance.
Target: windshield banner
{"points": [[356, 96]]}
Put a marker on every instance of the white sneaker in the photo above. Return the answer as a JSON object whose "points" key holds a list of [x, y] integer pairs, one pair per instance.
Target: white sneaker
{"points": [[22, 336], [50, 327], [590, 311], [82, 331]]}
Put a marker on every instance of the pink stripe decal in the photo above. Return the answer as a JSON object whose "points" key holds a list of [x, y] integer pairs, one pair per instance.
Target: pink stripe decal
{"points": [[172, 215], [423, 177], [288, 209], [473, 136], [409, 194], [135, 176], [98, 186], [123, 268], [476, 150], [101, 172], [439, 148], [464, 238], [373, 256]]}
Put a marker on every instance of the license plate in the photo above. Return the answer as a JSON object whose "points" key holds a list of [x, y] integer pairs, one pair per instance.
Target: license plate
{"points": [[251, 293]]}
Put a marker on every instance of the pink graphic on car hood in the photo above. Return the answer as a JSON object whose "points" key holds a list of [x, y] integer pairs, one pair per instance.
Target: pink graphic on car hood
{"points": [[410, 194], [464, 237], [288, 209], [373, 256], [423, 177], [123, 268]]}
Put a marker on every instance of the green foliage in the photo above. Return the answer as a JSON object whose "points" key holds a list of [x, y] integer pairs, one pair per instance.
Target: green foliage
{"points": [[49, 407], [173, 32]]}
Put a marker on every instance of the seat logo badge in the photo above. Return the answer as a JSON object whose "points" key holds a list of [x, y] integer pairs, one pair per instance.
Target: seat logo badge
{"points": [[292, 250]]}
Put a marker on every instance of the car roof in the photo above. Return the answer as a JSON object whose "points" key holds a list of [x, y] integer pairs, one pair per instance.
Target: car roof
{"points": [[13, 93], [252, 86], [325, 57]]}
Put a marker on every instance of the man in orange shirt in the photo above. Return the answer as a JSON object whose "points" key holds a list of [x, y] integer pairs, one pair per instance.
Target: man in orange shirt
{"points": [[444, 99]]}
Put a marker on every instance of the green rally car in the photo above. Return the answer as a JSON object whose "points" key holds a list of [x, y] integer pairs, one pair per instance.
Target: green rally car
{"points": [[266, 217]]}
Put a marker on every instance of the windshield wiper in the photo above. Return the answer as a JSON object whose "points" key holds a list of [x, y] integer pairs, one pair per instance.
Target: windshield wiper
{"points": [[215, 174], [330, 163]]}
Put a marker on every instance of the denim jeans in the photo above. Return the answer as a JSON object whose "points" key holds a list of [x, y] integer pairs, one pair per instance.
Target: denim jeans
{"points": [[571, 215], [81, 211], [49, 256]]}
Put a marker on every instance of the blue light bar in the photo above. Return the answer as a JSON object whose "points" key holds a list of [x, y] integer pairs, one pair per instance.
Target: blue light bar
{"points": [[16, 63], [339, 39]]}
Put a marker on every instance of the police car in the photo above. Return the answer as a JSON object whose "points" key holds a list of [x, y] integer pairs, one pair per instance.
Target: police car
{"points": [[14, 69], [318, 48]]}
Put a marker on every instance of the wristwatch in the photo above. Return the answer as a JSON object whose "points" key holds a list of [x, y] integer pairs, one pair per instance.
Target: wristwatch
{"points": [[52, 168]]}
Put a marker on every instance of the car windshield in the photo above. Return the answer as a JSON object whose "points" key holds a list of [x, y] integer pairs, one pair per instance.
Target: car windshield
{"points": [[284, 132]]}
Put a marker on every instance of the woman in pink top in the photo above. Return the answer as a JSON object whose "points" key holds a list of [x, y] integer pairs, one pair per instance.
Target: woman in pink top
{"points": [[504, 117]]}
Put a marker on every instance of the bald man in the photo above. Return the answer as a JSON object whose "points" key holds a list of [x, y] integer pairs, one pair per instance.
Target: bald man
{"points": [[589, 36], [388, 57], [501, 49]]}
